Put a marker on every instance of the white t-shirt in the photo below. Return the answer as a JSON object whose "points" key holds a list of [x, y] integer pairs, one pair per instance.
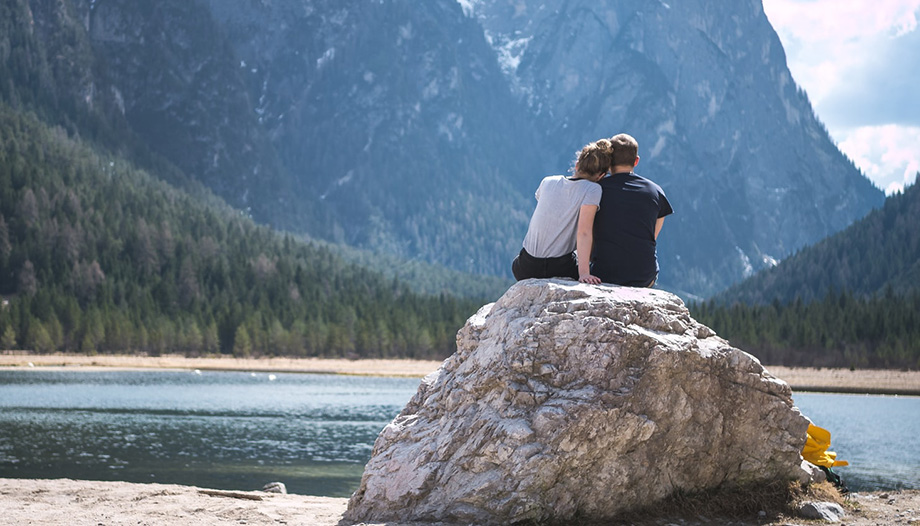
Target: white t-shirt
{"points": [[555, 221]]}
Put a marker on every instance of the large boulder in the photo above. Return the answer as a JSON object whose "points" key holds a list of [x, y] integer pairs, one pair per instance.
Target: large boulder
{"points": [[567, 401]]}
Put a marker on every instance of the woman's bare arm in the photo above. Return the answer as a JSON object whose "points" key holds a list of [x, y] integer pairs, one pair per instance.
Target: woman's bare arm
{"points": [[584, 242]]}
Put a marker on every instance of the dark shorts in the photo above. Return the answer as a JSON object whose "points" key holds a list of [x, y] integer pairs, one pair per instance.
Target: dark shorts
{"points": [[526, 266]]}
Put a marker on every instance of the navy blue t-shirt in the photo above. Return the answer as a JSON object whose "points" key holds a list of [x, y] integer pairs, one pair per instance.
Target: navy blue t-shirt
{"points": [[624, 230]]}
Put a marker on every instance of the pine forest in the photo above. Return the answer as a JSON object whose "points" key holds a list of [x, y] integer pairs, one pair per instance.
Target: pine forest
{"points": [[99, 256]]}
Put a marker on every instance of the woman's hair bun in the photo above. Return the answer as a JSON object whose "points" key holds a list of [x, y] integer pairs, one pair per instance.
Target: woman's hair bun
{"points": [[595, 157]]}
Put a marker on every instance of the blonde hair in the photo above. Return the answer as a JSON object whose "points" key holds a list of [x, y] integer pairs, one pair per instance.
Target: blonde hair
{"points": [[594, 158]]}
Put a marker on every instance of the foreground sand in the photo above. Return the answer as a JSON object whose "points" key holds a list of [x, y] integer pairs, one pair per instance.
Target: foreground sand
{"points": [[88, 503], [882, 381]]}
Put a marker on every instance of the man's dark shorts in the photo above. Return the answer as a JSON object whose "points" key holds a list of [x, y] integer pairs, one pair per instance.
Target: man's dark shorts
{"points": [[526, 266]]}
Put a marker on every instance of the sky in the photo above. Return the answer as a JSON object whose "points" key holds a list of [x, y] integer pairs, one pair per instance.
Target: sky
{"points": [[859, 62]]}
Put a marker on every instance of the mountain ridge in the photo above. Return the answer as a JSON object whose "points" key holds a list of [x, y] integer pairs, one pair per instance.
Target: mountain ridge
{"points": [[849, 300], [876, 253], [393, 127]]}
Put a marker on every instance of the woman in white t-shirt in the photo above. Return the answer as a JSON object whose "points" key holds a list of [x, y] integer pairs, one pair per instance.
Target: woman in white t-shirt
{"points": [[563, 222]]}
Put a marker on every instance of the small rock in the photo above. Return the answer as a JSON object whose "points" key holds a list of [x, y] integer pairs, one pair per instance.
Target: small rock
{"points": [[275, 487], [812, 474], [826, 511]]}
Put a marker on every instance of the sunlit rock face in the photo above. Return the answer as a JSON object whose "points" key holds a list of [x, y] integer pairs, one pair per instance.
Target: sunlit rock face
{"points": [[570, 401]]}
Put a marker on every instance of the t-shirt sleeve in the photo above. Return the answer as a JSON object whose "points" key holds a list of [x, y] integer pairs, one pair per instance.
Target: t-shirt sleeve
{"points": [[537, 193], [593, 195], [664, 206]]}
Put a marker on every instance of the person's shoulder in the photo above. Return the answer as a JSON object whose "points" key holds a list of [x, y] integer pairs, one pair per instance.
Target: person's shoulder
{"points": [[549, 180], [647, 181], [553, 179], [607, 180]]}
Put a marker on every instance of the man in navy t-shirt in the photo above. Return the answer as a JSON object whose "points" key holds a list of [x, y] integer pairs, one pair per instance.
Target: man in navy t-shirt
{"points": [[627, 224]]}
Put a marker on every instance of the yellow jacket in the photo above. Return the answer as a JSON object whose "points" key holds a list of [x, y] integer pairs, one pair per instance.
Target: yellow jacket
{"points": [[815, 450]]}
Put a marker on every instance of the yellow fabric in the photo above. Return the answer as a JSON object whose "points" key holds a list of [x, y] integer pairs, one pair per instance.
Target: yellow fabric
{"points": [[815, 450]]}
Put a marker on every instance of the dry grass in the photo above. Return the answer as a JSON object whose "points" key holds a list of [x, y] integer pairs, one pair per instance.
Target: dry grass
{"points": [[739, 504]]}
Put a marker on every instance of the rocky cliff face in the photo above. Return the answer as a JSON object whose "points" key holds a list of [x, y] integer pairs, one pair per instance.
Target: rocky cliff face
{"points": [[721, 125], [422, 129], [396, 118], [569, 402], [179, 85]]}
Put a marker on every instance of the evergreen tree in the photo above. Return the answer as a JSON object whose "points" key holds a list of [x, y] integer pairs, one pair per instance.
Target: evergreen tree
{"points": [[242, 345], [8, 338]]}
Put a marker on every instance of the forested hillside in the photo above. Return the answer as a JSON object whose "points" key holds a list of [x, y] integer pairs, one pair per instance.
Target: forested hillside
{"points": [[879, 251], [98, 256], [851, 300]]}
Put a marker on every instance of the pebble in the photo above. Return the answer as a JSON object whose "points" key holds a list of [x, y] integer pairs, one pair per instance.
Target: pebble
{"points": [[275, 487]]}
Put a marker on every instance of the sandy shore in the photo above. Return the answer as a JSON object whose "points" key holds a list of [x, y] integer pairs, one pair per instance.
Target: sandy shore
{"points": [[872, 381], [90, 503], [370, 367], [800, 378]]}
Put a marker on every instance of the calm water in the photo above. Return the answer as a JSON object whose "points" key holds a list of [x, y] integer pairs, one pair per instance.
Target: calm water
{"points": [[878, 435], [313, 432], [221, 430]]}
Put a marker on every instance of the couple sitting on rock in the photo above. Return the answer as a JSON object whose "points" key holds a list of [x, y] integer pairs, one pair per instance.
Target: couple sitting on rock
{"points": [[598, 225]]}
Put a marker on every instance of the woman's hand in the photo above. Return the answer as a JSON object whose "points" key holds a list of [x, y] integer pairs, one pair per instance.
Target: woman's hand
{"points": [[589, 279]]}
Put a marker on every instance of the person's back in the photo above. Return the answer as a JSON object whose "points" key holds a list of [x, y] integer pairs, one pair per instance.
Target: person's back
{"points": [[554, 221], [627, 222], [563, 221]]}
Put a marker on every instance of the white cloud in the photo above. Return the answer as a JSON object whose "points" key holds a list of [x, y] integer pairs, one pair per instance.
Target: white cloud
{"points": [[889, 154], [857, 60]]}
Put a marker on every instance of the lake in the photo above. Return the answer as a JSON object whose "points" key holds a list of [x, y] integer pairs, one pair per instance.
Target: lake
{"points": [[235, 430]]}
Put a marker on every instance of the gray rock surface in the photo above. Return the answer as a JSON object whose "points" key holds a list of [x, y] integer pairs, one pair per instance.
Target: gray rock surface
{"points": [[826, 511], [567, 401]]}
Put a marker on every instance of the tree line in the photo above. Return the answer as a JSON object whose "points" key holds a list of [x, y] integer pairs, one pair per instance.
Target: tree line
{"points": [[99, 256], [850, 300], [839, 330]]}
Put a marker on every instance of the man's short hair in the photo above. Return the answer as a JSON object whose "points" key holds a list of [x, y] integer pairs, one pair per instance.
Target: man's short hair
{"points": [[625, 150]]}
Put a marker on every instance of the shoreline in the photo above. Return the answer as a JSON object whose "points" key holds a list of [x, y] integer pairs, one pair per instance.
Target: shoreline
{"points": [[51, 502], [891, 382], [801, 379], [363, 367]]}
